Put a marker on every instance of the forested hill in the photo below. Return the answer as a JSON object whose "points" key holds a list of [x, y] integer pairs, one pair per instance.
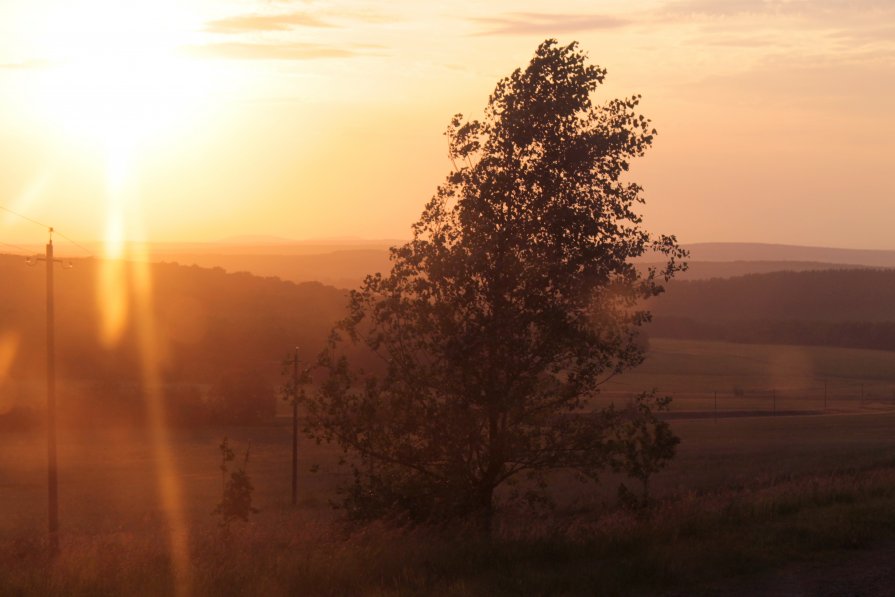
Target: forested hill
{"points": [[209, 322], [834, 307], [206, 322]]}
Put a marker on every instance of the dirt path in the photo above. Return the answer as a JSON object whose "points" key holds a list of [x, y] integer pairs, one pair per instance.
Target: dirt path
{"points": [[861, 573]]}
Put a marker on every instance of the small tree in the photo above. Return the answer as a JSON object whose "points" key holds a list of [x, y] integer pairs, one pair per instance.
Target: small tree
{"points": [[642, 448], [236, 489], [515, 299]]}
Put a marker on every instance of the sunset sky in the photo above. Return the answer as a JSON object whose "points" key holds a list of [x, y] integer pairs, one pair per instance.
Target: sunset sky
{"points": [[198, 120]]}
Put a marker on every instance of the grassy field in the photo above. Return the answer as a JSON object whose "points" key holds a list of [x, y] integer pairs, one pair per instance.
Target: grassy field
{"points": [[744, 494], [754, 376]]}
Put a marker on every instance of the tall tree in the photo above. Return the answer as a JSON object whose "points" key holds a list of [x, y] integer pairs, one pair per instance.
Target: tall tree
{"points": [[515, 299]]}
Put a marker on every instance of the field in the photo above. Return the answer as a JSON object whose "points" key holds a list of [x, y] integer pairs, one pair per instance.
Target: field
{"points": [[755, 376], [827, 477]]}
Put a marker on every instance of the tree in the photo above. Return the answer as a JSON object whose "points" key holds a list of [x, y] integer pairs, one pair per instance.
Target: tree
{"points": [[236, 490], [515, 299]]}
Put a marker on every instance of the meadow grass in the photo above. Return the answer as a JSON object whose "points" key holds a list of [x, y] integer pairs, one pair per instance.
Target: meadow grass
{"points": [[744, 495], [686, 544], [694, 366]]}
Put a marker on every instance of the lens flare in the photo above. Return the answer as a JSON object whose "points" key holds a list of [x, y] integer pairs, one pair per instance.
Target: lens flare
{"points": [[9, 345], [124, 296]]}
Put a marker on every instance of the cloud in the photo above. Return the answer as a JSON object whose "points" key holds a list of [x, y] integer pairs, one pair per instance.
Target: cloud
{"points": [[825, 9], [713, 8], [251, 23], [824, 29], [525, 23], [269, 51]]}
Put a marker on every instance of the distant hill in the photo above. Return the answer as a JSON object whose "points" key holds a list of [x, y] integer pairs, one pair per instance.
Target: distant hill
{"points": [[341, 268], [206, 321], [704, 270], [828, 295], [344, 263], [844, 307], [762, 252]]}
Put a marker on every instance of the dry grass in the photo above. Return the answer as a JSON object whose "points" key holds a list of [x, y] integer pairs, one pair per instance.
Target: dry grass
{"points": [[743, 495], [685, 542], [708, 526]]}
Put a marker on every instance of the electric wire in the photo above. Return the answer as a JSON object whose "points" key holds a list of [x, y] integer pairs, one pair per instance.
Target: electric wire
{"points": [[48, 227], [77, 244], [17, 248], [24, 217]]}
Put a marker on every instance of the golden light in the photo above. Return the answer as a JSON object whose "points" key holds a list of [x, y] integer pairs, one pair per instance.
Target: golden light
{"points": [[9, 343], [114, 77], [114, 81]]}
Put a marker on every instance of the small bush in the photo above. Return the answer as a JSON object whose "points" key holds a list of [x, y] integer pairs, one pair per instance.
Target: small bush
{"points": [[236, 491]]}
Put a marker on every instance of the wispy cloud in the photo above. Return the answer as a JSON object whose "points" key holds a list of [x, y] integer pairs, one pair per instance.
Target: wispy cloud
{"points": [[810, 8], [822, 29], [250, 23], [713, 8], [270, 51], [525, 23]]}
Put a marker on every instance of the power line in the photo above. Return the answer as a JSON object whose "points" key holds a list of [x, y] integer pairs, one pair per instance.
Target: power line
{"points": [[17, 248], [77, 244], [50, 228], [24, 217]]}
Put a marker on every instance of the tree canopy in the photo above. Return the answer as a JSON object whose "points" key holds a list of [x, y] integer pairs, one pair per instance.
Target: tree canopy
{"points": [[515, 299]]}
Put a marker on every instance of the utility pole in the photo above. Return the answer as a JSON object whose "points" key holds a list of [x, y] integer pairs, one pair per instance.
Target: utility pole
{"points": [[52, 481], [52, 465]]}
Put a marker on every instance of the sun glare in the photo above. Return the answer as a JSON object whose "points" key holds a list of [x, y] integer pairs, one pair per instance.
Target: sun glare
{"points": [[114, 78]]}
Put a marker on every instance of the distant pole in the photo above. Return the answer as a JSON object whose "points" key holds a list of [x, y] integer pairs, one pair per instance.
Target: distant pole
{"points": [[52, 482], [862, 395], [825, 395], [774, 399], [295, 428], [716, 406]]}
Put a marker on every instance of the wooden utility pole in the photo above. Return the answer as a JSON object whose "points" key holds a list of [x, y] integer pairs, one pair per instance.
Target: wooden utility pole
{"points": [[52, 465], [52, 482]]}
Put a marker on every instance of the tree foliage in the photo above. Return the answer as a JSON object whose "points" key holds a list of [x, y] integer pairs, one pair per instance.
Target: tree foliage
{"points": [[515, 299], [236, 489]]}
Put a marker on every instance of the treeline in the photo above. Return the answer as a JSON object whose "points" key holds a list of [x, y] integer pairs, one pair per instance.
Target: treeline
{"points": [[849, 334], [201, 322], [210, 334], [847, 308]]}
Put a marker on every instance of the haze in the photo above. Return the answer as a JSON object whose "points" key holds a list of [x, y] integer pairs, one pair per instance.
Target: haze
{"points": [[196, 121]]}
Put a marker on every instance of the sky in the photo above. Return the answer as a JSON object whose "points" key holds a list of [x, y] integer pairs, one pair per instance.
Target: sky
{"points": [[201, 120]]}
